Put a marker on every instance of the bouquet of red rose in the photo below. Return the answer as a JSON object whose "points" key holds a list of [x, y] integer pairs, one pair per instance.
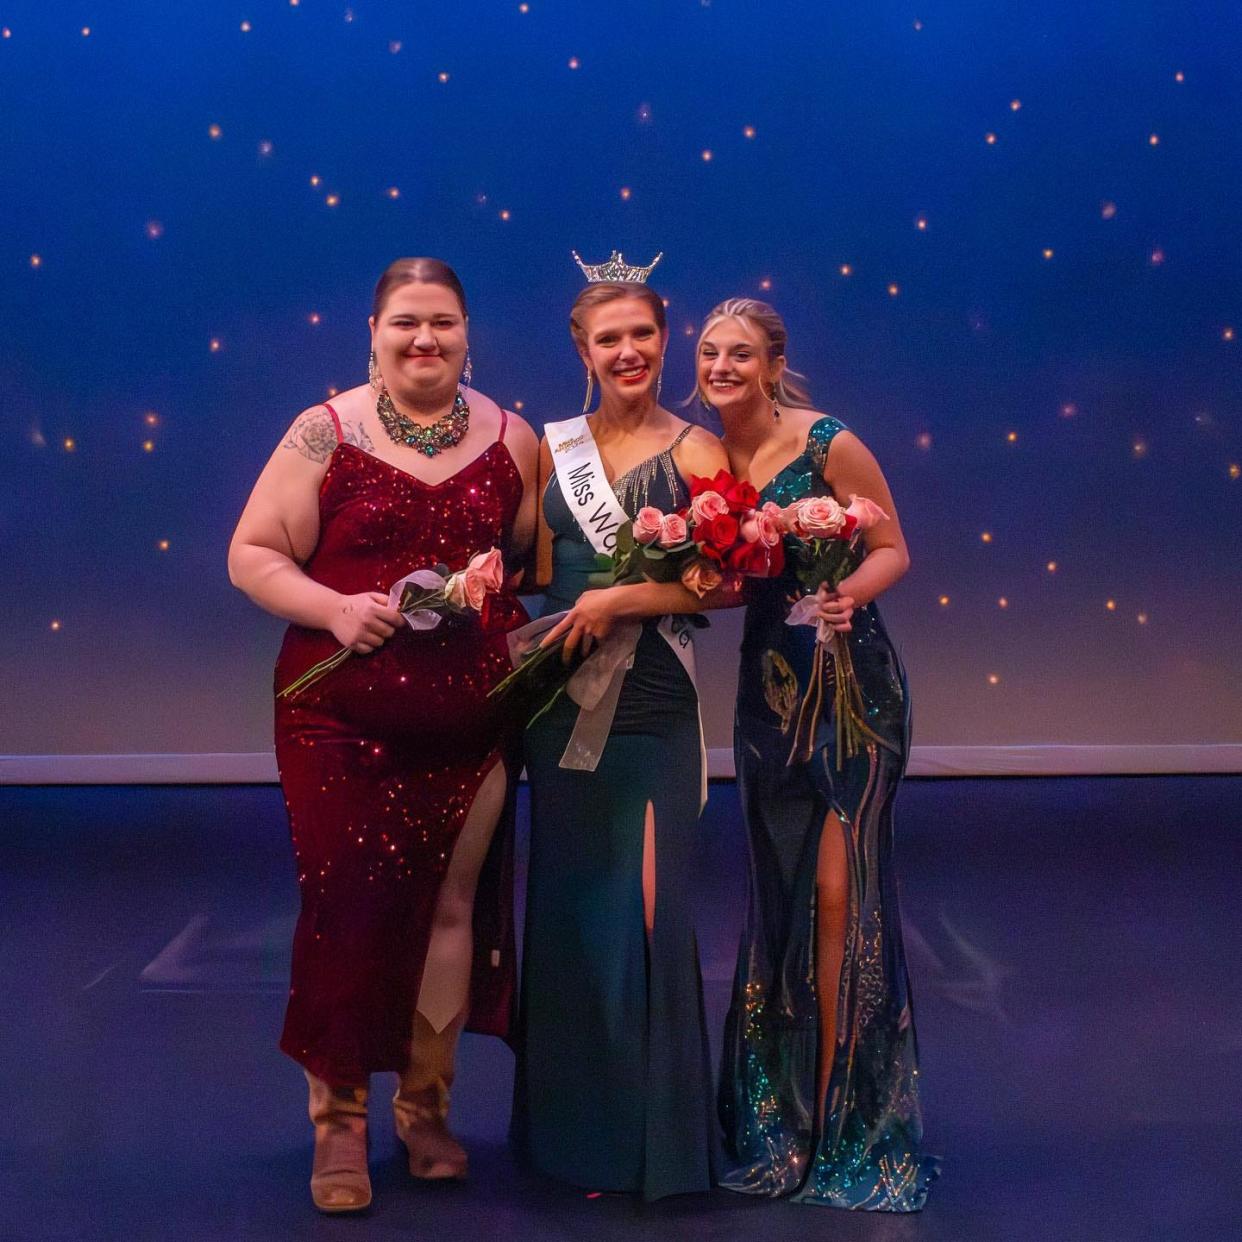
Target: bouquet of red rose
{"points": [[722, 531], [425, 598], [824, 552]]}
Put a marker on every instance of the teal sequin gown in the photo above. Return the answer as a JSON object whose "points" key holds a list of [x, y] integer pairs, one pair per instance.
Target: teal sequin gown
{"points": [[613, 1089], [869, 1154]]}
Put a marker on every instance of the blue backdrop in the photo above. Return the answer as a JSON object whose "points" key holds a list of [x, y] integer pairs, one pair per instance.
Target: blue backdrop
{"points": [[1005, 238]]}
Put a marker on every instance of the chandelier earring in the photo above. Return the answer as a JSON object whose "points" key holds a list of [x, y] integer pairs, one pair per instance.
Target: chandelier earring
{"points": [[660, 377], [586, 405], [776, 409], [374, 376], [467, 372]]}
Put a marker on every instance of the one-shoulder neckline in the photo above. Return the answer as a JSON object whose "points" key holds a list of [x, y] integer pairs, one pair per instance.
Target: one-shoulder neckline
{"points": [[423, 483], [806, 448]]}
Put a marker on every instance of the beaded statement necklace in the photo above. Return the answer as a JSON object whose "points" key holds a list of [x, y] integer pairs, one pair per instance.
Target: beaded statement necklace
{"points": [[444, 433]]}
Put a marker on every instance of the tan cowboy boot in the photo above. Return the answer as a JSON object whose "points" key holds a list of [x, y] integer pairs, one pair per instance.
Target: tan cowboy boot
{"points": [[339, 1179], [420, 1106]]}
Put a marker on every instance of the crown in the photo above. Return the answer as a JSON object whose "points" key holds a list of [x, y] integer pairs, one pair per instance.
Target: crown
{"points": [[616, 269]]}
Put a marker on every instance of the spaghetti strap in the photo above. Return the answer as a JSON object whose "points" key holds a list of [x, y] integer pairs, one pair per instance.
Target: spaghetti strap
{"points": [[681, 435], [504, 422], [336, 422]]}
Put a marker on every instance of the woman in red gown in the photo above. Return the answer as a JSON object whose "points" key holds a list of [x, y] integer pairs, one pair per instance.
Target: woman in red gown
{"points": [[394, 765]]}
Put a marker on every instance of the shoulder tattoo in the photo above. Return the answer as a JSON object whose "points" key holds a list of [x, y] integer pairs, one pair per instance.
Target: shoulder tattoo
{"points": [[314, 436]]}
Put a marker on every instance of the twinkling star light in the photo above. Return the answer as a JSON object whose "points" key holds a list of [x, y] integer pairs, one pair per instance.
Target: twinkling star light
{"points": [[163, 545], [706, 156], [214, 132], [575, 63], [443, 76], [993, 679], [894, 289], [1108, 209], [36, 260], [943, 601], [1002, 602], [265, 147], [990, 139], [55, 627], [846, 269], [923, 440], [393, 192], [626, 192], [154, 229], [748, 131]]}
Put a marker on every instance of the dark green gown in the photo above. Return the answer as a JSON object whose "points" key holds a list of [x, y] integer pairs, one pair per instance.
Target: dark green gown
{"points": [[613, 1088], [868, 1154]]}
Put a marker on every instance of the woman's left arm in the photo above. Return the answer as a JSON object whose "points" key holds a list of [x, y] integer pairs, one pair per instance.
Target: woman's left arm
{"points": [[851, 470]]}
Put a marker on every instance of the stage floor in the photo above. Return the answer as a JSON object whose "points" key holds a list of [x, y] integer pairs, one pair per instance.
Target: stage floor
{"points": [[1072, 943]]}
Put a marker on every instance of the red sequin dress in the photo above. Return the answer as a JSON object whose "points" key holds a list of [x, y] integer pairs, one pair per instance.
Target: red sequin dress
{"points": [[381, 760]]}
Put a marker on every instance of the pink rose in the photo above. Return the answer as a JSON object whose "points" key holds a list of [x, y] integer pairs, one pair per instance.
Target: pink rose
{"points": [[672, 530], [490, 568], [476, 588], [761, 527], [865, 512], [647, 525], [455, 590], [708, 505], [700, 577], [819, 517]]}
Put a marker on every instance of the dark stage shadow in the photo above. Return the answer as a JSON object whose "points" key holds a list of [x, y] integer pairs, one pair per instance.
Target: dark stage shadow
{"points": [[1067, 940]]}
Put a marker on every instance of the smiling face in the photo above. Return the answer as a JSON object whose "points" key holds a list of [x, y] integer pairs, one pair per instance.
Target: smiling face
{"points": [[419, 338], [732, 367], [624, 346]]}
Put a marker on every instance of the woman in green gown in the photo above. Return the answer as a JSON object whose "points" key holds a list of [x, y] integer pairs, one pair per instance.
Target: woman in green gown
{"points": [[613, 1089], [819, 1081]]}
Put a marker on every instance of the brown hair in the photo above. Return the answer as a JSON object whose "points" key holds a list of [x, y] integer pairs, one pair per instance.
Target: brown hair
{"points": [[791, 390], [610, 291], [416, 272]]}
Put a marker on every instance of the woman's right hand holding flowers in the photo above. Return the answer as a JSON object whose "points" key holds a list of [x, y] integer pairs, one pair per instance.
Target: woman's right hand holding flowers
{"points": [[835, 609], [363, 623]]}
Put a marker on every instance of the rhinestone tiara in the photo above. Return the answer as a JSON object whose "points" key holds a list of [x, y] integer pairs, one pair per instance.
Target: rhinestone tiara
{"points": [[616, 269]]}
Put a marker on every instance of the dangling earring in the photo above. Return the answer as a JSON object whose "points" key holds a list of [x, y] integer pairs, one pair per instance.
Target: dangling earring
{"points": [[660, 377], [776, 409], [586, 405], [467, 372], [703, 401], [374, 377]]}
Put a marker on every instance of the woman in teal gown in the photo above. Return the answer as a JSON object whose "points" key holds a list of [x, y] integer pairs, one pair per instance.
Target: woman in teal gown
{"points": [[613, 1089], [818, 1094]]}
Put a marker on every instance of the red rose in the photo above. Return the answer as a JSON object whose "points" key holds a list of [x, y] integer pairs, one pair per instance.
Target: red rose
{"points": [[749, 558], [721, 483], [742, 496], [850, 523], [718, 532]]}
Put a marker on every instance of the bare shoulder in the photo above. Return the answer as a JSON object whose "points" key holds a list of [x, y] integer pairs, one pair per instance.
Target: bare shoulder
{"points": [[701, 452], [520, 433], [313, 432]]}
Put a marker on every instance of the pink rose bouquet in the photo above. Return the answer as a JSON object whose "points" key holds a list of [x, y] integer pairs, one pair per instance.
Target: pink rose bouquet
{"points": [[824, 551], [722, 531], [425, 598]]}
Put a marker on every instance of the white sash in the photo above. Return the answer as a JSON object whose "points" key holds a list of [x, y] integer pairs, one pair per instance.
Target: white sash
{"points": [[599, 514]]}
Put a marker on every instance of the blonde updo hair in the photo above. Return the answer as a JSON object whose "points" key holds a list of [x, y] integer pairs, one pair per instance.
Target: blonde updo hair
{"points": [[791, 390], [611, 291]]}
